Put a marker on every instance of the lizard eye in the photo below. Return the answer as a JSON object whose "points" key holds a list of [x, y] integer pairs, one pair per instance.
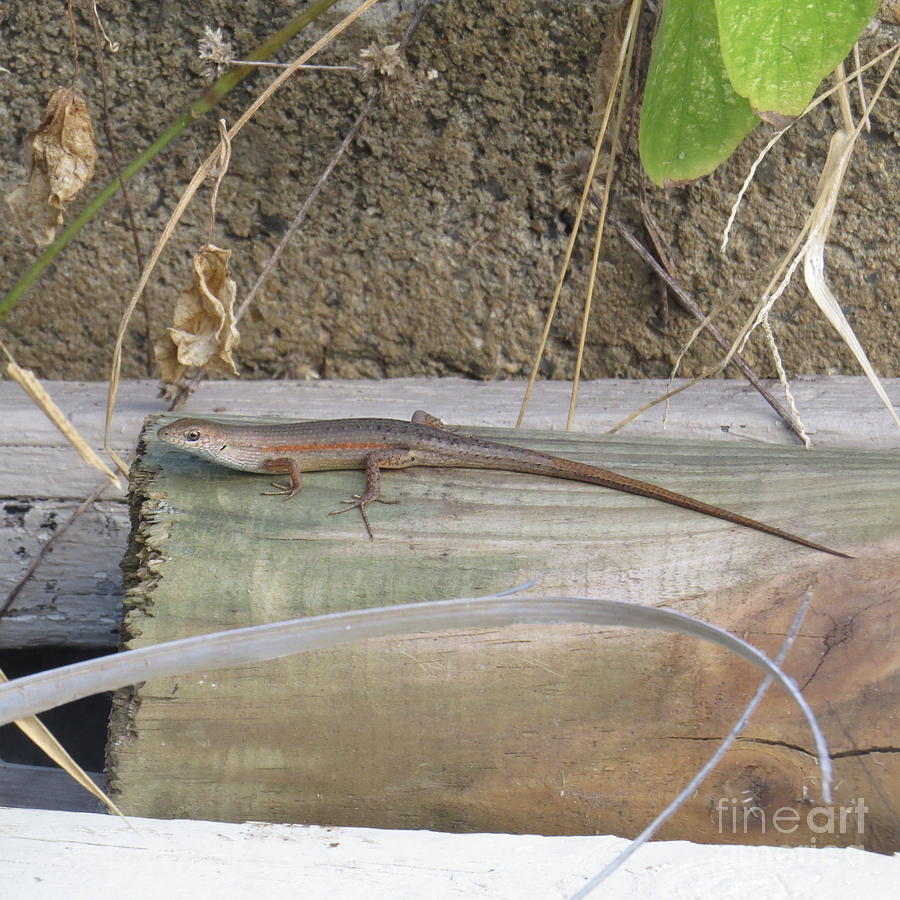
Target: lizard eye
{"points": [[192, 436]]}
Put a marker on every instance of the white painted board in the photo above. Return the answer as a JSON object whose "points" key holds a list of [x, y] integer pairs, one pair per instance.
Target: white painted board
{"points": [[78, 856]]}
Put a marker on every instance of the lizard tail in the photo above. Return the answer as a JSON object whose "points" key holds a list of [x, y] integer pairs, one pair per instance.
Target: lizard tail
{"points": [[574, 471]]}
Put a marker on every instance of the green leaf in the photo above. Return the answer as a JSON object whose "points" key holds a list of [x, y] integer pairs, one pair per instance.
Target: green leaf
{"points": [[691, 119], [777, 51]]}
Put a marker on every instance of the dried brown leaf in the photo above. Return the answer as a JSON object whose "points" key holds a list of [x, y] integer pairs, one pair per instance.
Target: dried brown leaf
{"points": [[60, 155], [203, 332]]}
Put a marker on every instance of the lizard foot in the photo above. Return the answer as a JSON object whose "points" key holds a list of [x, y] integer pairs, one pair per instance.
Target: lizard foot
{"points": [[360, 502], [282, 490]]}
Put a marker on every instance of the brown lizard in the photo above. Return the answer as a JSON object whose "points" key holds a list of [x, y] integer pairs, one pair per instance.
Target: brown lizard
{"points": [[375, 444]]}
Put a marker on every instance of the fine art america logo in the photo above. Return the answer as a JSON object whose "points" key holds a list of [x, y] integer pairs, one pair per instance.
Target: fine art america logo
{"points": [[737, 817]]}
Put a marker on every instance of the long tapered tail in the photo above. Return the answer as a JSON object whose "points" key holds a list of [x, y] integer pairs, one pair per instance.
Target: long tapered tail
{"points": [[557, 467]]}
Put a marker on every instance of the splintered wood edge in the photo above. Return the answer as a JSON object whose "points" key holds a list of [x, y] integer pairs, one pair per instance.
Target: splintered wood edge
{"points": [[144, 551]]}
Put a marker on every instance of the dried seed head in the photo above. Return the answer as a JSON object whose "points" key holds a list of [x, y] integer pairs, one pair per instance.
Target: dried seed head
{"points": [[386, 75], [381, 61], [215, 52], [570, 181]]}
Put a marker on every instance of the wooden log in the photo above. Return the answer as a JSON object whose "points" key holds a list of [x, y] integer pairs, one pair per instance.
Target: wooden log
{"points": [[559, 730]]}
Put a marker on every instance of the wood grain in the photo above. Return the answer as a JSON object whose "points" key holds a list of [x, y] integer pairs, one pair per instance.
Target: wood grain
{"points": [[552, 730]]}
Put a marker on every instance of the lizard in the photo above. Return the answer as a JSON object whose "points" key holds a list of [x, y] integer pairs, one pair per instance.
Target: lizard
{"points": [[292, 448]]}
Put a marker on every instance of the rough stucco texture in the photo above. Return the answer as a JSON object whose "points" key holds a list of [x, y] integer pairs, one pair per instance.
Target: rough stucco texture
{"points": [[435, 245]]}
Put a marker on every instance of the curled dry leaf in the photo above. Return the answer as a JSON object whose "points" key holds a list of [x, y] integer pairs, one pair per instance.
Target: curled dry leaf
{"points": [[60, 155], [203, 332]]}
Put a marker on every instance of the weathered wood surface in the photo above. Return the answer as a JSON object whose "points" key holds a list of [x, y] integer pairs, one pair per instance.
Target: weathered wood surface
{"points": [[839, 411], [550, 730], [46, 856], [75, 597]]}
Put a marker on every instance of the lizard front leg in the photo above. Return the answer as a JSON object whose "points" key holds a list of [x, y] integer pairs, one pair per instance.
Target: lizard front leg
{"points": [[285, 464], [375, 462]]}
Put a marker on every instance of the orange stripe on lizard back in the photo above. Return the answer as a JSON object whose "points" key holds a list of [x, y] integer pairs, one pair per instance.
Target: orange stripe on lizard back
{"points": [[299, 448]]}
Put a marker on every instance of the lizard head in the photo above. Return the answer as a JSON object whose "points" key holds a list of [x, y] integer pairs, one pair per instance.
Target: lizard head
{"points": [[197, 436]]}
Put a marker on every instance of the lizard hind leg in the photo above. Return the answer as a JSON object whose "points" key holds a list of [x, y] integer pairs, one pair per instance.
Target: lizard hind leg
{"points": [[387, 459], [420, 417]]}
